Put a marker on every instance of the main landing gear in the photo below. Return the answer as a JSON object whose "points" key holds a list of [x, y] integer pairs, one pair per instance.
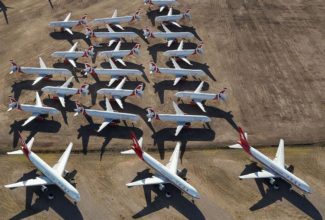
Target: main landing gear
{"points": [[274, 184], [161, 188]]}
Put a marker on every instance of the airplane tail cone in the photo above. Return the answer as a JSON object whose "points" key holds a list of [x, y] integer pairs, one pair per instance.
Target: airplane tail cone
{"points": [[13, 104], [147, 33], [89, 32], [153, 68], [135, 50], [199, 49], [79, 109], [151, 114], [14, 67], [84, 89], [138, 91], [187, 14]]}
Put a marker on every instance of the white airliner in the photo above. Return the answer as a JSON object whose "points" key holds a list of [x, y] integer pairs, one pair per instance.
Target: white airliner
{"points": [[110, 34], [180, 118], [164, 174], [37, 110], [110, 116], [50, 175], [72, 54], [162, 4], [117, 20], [184, 53], [275, 168], [118, 54], [168, 35], [115, 72], [177, 71], [198, 96], [118, 93], [67, 24], [62, 91], [42, 71], [173, 19]]}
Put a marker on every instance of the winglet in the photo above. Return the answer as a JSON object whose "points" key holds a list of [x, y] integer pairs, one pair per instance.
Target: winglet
{"points": [[136, 147]]}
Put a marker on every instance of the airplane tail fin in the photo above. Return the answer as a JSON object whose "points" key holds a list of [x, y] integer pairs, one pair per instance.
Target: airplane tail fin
{"points": [[147, 33], [84, 89], [199, 48], [135, 50], [79, 109], [148, 2], [221, 95], [187, 14], [83, 20], [25, 148], [14, 104], [14, 67], [136, 146], [89, 32], [151, 114], [243, 140], [136, 15], [138, 91], [153, 68], [88, 69], [90, 52]]}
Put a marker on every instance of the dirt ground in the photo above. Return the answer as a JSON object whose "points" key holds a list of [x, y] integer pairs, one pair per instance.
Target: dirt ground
{"points": [[223, 196]]}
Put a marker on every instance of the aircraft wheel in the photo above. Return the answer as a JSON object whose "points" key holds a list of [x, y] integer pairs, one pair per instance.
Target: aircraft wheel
{"points": [[276, 186], [168, 195], [50, 196]]}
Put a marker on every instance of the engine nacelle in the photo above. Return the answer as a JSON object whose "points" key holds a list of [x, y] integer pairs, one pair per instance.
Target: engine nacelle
{"points": [[44, 188], [161, 187]]}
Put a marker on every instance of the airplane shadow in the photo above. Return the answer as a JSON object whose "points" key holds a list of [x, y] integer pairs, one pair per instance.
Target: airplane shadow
{"points": [[139, 32], [160, 87], [45, 126], [51, 4], [211, 111], [4, 9], [186, 135], [152, 14], [271, 195], [63, 35], [60, 204], [113, 131], [184, 206], [17, 87]]}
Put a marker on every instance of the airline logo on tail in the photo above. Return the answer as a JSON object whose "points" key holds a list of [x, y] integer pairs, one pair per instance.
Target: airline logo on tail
{"points": [[83, 89], [152, 114], [221, 95], [136, 147], [79, 109], [153, 68], [135, 49], [138, 91], [149, 2], [243, 141], [147, 33], [89, 52], [88, 69], [187, 14], [83, 20], [199, 48], [24, 147], [89, 32], [13, 104], [136, 16]]}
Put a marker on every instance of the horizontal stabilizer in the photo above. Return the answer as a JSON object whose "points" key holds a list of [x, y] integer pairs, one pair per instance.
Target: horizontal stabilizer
{"points": [[38, 181], [258, 175], [148, 181], [16, 152]]}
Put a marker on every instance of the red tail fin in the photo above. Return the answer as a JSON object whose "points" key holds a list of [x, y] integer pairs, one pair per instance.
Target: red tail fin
{"points": [[136, 147], [24, 147], [243, 141]]}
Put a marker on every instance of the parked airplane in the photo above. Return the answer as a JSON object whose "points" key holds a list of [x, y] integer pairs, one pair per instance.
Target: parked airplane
{"points": [[162, 4], [173, 19], [197, 96], [118, 93], [42, 71], [37, 110], [72, 54], [169, 36], [115, 72], [184, 53], [50, 175], [116, 21], [62, 91], [164, 174], [118, 54], [67, 24], [177, 71], [180, 118], [275, 168], [109, 115], [110, 34]]}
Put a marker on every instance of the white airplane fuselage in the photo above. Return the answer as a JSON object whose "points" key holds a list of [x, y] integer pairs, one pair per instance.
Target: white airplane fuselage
{"points": [[170, 177], [43, 110], [111, 115], [64, 24], [182, 72], [115, 35], [179, 53], [115, 54], [162, 2], [115, 92], [116, 20], [118, 72], [282, 172], [183, 118], [60, 90], [44, 71], [50, 173], [196, 96], [169, 18], [69, 54], [172, 35]]}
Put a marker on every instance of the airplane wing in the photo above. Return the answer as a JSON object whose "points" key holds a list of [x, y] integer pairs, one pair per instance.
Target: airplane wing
{"points": [[147, 181], [112, 64], [39, 78], [177, 109], [40, 180], [161, 8], [73, 63], [41, 63], [176, 24], [173, 161], [121, 84], [179, 128], [62, 162], [38, 100], [112, 80], [165, 28], [74, 47], [118, 46], [31, 118], [114, 14], [170, 12], [198, 103], [62, 99], [121, 61], [186, 61], [175, 64], [279, 157], [108, 106], [109, 28], [68, 17], [119, 102], [119, 26], [104, 124], [67, 83], [180, 46], [68, 30], [199, 88], [258, 175], [169, 42], [177, 79], [111, 42]]}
